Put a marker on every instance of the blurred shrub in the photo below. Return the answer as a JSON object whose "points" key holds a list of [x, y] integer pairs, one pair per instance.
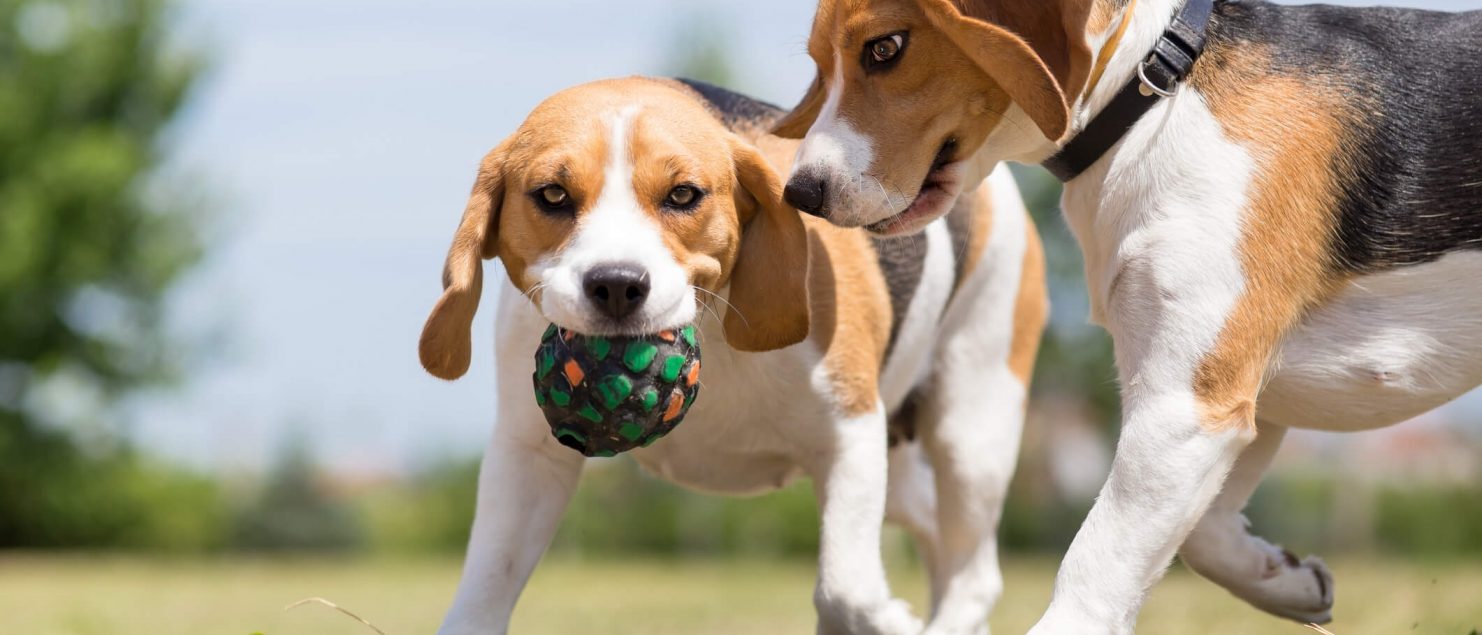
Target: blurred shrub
{"points": [[617, 510], [1440, 521], [1040, 525], [429, 513], [1295, 510], [117, 500], [295, 512], [1330, 513], [87, 88]]}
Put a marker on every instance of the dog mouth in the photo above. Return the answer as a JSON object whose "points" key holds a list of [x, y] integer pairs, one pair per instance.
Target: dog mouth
{"points": [[686, 310], [939, 190]]}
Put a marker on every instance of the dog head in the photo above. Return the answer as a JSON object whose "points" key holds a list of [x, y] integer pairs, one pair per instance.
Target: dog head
{"points": [[618, 208], [916, 100]]}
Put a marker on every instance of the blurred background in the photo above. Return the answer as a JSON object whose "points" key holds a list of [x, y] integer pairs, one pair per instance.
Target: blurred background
{"points": [[222, 223]]}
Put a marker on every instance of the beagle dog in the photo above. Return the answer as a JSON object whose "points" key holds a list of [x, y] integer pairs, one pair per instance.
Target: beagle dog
{"points": [[893, 373], [1279, 207]]}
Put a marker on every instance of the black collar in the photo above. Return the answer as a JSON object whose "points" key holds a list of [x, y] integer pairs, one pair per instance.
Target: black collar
{"points": [[1158, 76]]}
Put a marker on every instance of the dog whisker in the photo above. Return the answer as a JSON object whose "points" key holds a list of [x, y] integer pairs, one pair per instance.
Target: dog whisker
{"points": [[728, 304], [530, 294]]}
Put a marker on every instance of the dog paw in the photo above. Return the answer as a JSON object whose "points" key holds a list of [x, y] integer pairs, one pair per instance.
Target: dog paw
{"points": [[894, 617], [1056, 624], [1296, 589], [938, 629], [891, 617]]}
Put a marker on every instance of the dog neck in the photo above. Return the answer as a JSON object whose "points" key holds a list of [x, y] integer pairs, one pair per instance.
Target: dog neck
{"points": [[1145, 21], [1122, 43]]}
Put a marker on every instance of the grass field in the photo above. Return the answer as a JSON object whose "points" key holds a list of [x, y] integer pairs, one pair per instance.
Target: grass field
{"points": [[82, 595]]}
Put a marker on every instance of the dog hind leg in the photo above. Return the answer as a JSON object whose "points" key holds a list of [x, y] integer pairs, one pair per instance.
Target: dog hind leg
{"points": [[911, 502]]}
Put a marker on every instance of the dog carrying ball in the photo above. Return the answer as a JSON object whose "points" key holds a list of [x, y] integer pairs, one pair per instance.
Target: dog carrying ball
{"points": [[605, 395]]}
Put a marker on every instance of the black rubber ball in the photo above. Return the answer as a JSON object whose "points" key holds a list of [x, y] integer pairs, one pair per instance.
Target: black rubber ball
{"points": [[606, 395]]}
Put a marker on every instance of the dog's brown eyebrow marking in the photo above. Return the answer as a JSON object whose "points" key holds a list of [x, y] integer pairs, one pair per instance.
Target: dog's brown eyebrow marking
{"points": [[893, 18], [873, 26], [548, 172], [680, 167]]}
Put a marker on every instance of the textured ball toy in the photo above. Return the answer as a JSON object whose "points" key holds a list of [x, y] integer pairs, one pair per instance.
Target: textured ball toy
{"points": [[605, 395]]}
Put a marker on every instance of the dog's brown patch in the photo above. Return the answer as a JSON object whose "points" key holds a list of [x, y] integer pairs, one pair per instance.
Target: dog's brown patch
{"points": [[1294, 128], [1100, 18], [851, 313], [1031, 308]]}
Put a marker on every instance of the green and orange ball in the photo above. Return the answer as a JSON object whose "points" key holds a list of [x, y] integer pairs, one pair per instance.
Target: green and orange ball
{"points": [[607, 395]]}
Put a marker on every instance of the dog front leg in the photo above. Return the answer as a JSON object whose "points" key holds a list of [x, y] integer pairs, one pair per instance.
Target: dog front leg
{"points": [[525, 483], [853, 596], [1222, 548], [1168, 468]]}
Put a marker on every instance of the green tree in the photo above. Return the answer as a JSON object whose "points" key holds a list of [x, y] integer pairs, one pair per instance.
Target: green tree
{"points": [[87, 250]]}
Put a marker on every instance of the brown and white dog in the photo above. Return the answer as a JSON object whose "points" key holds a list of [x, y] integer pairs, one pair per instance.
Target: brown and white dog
{"points": [[1289, 240], [818, 342]]}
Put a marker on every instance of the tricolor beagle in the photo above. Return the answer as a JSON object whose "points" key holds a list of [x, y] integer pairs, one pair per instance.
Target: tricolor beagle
{"points": [[828, 354], [1280, 233]]}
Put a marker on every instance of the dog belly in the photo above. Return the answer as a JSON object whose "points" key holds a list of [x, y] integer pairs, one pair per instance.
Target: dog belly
{"points": [[724, 449], [711, 470], [1388, 347]]}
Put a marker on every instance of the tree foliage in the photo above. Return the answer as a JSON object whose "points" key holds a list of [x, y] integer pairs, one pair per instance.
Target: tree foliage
{"points": [[294, 512], [87, 251]]}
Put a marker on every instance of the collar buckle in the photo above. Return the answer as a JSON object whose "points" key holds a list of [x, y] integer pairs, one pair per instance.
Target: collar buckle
{"points": [[1149, 87], [1158, 77]]}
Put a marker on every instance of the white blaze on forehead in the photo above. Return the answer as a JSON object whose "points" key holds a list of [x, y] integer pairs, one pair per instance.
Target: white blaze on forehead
{"points": [[832, 145], [616, 231]]}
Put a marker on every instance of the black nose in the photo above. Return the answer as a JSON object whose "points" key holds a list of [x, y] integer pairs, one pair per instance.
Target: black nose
{"points": [[808, 192], [616, 290]]}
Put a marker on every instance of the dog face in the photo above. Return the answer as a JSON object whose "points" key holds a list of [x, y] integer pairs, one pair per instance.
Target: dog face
{"points": [[618, 208], [908, 91]]}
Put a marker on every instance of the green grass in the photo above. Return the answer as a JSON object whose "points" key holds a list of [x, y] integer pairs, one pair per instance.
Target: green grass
{"points": [[83, 595]]}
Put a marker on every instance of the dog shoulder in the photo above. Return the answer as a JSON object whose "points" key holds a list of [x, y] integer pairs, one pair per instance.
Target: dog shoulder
{"points": [[744, 115]]}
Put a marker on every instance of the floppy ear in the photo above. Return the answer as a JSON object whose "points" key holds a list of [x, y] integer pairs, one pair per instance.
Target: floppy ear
{"points": [[1037, 52], [796, 124], [445, 348], [769, 282]]}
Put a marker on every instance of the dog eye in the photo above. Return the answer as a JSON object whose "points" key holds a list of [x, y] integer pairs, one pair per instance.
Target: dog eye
{"points": [[882, 53], [553, 198], [683, 197]]}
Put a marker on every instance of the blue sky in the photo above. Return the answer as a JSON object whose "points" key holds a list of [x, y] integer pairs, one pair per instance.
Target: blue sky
{"points": [[340, 138]]}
